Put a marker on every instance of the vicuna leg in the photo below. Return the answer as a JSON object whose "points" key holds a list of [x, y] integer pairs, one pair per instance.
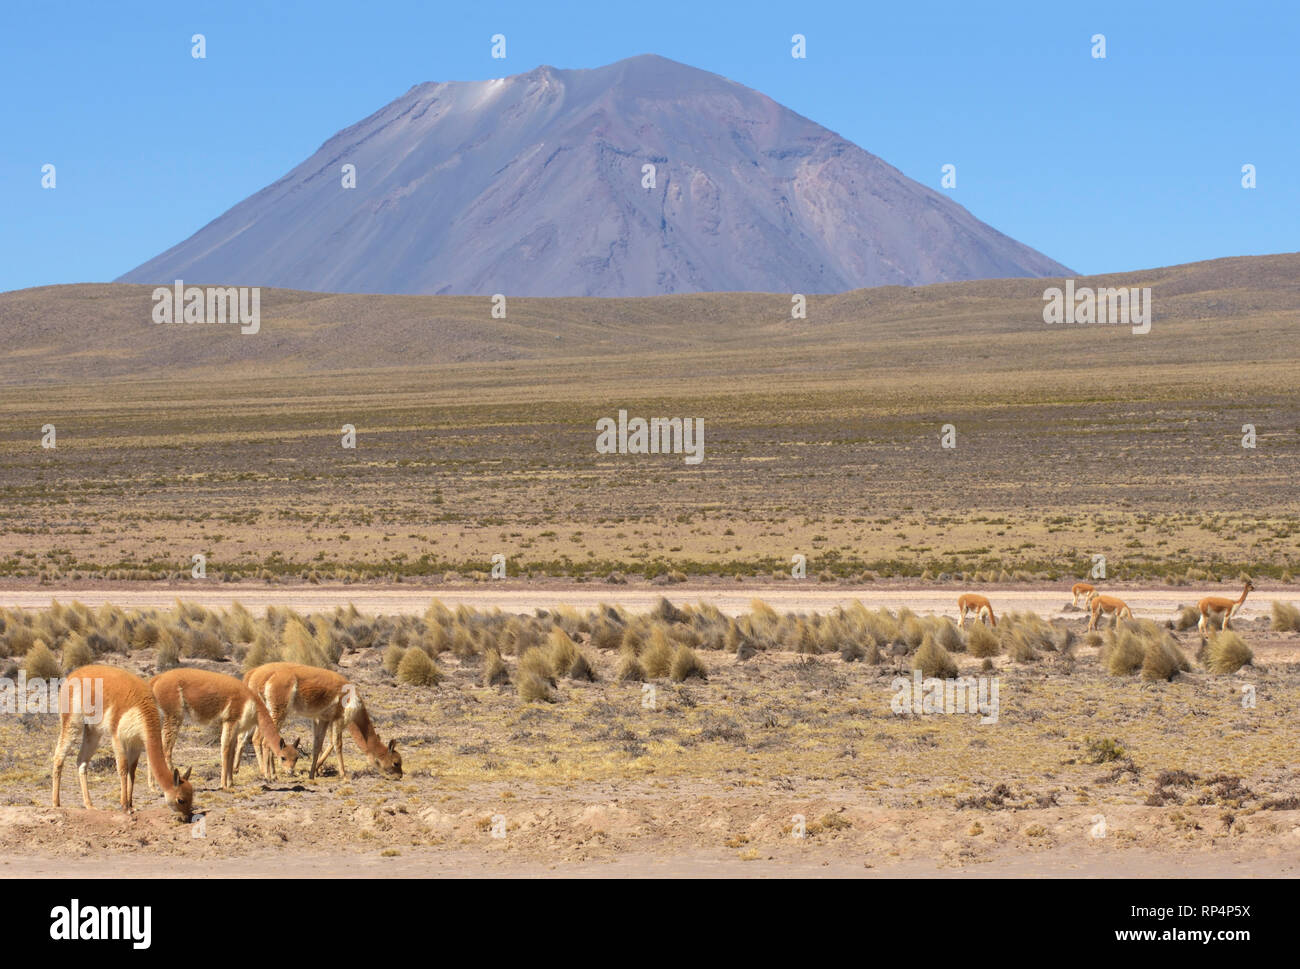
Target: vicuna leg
{"points": [[240, 743], [67, 733], [228, 731], [131, 763], [338, 745], [89, 741], [119, 758], [318, 728]]}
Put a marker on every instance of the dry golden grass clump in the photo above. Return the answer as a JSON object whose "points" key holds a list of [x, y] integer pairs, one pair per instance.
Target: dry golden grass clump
{"points": [[203, 644], [1020, 646], [933, 660], [1163, 659], [947, 635], [495, 672], [1188, 617], [536, 679], [416, 669], [1145, 646], [1286, 618], [1227, 652], [983, 642], [563, 652], [393, 658], [1123, 651], [1024, 635], [606, 634], [657, 657], [581, 668], [76, 653], [911, 630], [40, 662], [169, 651], [686, 664], [630, 669]]}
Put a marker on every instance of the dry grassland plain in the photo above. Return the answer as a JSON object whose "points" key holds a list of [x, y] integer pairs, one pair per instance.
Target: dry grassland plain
{"points": [[476, 437]]}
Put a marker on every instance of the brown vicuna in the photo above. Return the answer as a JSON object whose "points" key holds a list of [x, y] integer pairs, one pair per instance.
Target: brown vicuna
{"points": [[96, 701], [1216, 607], [970, 602], [328, 700], [1099, 605], [1081, 590], [205, 697]]}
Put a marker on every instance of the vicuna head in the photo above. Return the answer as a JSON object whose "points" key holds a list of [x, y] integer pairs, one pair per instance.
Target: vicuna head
{"points": [[390, 761], [181, 799], [289, 754]]}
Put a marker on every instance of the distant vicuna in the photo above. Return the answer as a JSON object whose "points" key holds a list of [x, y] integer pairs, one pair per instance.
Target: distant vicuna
{"points": [[1220, 607], [1099, 605], [976, 604], [1081, 590]]}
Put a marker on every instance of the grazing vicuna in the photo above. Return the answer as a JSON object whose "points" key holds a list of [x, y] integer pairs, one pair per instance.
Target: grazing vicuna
{"points": [[1081, 590], [1099, 604], [206, 697], [976, 604], [129, 716], [1220, 607], [329, 701]]}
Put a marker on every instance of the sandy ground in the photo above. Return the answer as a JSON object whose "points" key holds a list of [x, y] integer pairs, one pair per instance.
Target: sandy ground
{"points": [[815, 863], [731, 598], [582, 837]]}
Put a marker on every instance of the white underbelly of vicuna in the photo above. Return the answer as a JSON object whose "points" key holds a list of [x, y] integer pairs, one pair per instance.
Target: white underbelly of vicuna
{"points": [[132, 731]]}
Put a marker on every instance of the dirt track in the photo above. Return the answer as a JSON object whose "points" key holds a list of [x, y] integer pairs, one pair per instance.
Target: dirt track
{"points": [[731, 598]]}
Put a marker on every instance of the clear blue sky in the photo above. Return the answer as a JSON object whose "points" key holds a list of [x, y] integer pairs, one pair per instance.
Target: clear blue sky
{"points": [[1106, 165]]}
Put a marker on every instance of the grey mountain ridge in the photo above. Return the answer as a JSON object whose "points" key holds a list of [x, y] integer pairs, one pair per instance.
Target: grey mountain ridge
{"points": [[531, 185]]}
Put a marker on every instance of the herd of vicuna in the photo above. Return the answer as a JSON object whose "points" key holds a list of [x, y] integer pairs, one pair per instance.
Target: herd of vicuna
{"points": [[144, 718], [1211, 608]]}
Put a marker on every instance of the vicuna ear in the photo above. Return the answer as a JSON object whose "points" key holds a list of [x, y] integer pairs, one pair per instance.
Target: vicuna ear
{"points": [[283, 745], [392, 746], [176, 777], [186, 777]]}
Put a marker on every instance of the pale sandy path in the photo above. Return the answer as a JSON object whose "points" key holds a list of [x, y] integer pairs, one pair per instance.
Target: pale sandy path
{"points": [[1158, 603]]}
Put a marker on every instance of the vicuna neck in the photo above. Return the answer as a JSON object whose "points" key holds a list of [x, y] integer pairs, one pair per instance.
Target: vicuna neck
{"points": [[157, 761], [363, 731]]}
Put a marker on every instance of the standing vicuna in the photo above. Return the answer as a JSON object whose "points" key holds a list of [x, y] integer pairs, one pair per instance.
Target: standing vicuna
{"points": [[970, 602], [328, 700], [1219, 606], [1081, 590], [1099, 604], [206, 697], [127, 713]]}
